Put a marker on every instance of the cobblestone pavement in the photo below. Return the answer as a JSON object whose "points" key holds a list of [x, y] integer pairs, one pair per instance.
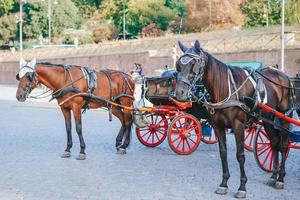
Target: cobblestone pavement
{"points": [[32, 138]]}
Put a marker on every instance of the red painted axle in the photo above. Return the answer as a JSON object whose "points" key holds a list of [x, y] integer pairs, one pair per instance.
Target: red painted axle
{"points": [[278, 114]]}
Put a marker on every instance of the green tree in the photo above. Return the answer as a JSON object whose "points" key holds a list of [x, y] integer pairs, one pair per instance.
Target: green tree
{"points": [[292, 10], [257, 12], [138, 13], [8, 29], [5, 6], [64, 15]]}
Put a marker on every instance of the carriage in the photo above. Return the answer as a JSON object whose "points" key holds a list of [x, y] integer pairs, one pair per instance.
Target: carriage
{"points": [[184, 124]]}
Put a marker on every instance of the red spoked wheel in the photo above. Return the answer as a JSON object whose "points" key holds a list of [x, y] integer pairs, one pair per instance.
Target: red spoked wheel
{"points": [[249, 137], [184, 134], [155, 133], [263, 152], [209, 138]]}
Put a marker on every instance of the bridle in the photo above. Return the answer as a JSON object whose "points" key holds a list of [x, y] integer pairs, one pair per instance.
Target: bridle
{"points": [[198, 68], [32, 76]]}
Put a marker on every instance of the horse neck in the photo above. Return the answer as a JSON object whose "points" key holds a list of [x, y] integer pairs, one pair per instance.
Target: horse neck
{"points": [[51, 76], [215, 79]]}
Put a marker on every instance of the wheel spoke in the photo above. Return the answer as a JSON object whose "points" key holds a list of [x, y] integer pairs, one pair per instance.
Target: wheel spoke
{"points": [[188, 144], [145, 133], [263, 151], [192, 141], [179, 143], [156, 136], [266, 158], [148, 137], [271, 161], [173, 141]]}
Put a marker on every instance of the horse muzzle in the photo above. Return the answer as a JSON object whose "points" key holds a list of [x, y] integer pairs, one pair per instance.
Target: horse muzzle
{"points": [[22, 97]]}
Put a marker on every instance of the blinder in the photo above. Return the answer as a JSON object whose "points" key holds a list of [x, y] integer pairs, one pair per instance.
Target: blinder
{"points": [[17, 77], [196, 68], [31, 76]]}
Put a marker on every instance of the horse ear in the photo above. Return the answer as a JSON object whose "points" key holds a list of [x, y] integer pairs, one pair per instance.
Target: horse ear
{"points": [[22, 63], [32, 63], [182, 47], [197, 46]]}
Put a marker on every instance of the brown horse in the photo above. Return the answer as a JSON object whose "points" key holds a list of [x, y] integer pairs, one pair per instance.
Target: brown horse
{"points": [[227, 86], [66, 81]]}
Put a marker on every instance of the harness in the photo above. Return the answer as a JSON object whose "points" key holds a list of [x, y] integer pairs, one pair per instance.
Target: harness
{"points": [[91, 79], [233, 90]]}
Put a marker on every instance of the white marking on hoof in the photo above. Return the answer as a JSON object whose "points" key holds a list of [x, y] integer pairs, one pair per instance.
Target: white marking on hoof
{"points": [[121, 151], [66, 154], [222, 190], [271, 182], [279, 185], [81, 156], [240, 194]]}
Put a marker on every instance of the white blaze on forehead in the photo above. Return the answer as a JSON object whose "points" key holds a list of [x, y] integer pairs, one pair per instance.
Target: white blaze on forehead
{"points": [[27, 67]]}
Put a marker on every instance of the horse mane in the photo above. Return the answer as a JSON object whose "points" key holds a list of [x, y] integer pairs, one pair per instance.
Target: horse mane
{"points": [[56, 65], [217, 78]]}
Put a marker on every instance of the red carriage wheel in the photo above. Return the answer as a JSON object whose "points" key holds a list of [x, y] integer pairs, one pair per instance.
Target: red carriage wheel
{"points": [[155, 133], [184, 134], [249, 137], [262, 150], [210, 136]]}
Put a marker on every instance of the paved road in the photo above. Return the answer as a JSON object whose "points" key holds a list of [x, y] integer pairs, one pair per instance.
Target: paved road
{"points": [[32, 137]]}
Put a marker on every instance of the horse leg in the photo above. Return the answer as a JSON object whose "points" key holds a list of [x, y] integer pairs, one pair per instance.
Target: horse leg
{"points": [[223, 187], [77, 116], [67, 115], [283, 148], [119, 114], [238, 129], [127, 135], [274, 139]]}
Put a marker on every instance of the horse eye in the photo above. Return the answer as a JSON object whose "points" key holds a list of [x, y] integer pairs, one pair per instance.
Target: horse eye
{"points": [[17, 77]]}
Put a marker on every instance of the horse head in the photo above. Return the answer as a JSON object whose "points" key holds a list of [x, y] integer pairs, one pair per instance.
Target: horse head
{"points": [[27, 79], [190, 67]]}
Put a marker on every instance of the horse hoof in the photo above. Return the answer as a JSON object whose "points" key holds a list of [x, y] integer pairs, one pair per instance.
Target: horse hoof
{"points": [[81, 156], [271, 182], [240, 194], [121, 151], [279, 185], [66, 154], [221, 190]]}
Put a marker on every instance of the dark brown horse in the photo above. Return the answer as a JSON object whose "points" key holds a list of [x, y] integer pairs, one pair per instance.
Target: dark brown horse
{"points": [[221, 82], [66, 81]]}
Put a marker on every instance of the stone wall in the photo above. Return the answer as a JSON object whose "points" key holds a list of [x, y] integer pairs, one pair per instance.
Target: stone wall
{"points": [[152, 65]]}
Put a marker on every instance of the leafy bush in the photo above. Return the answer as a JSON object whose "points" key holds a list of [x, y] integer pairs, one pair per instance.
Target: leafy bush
{"points": [[104, 32]]}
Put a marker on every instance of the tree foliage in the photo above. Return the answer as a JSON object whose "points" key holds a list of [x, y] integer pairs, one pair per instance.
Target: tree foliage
{"points": [[178, 6], [257, 12], [292, 10], [138, 14], [5, 6], [64, 15], [87, 8], [8, 29]]}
